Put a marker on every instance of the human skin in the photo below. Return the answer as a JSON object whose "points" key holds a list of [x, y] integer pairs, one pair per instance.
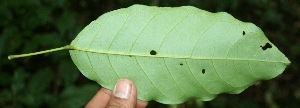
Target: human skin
{"points": [[124, 95]]}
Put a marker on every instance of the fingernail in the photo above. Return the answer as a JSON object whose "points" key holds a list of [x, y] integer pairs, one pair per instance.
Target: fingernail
{"points": [[122, 89]]}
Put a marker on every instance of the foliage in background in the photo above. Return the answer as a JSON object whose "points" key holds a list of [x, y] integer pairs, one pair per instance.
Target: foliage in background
{"points": [[53, 80]]}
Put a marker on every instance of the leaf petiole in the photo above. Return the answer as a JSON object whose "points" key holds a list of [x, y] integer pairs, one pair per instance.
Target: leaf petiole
{"points": [[67, 47]]}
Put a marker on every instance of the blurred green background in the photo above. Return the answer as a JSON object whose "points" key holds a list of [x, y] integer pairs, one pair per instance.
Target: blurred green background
{"points": [[52, 80]]}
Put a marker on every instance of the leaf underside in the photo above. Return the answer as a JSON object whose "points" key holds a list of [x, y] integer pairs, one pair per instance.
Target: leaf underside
{"points": [[175, 54]]}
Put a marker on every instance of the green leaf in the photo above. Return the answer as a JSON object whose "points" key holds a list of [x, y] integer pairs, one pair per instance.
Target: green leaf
{"points": [[174, 54], [40, 80], [76, 97], [65, 21], [5, 78], [18, 81], [68, 72]]}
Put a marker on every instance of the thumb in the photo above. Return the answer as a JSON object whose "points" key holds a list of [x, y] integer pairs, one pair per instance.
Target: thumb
{"points": [[124, 95]]}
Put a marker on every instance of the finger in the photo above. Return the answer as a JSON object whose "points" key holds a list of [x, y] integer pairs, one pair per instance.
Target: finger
{"points": [[124, 95], [141, 104], [100, 99]]}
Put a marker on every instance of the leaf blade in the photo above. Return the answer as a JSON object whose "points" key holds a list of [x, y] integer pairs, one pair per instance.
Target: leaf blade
{"points": [[163, 53]]}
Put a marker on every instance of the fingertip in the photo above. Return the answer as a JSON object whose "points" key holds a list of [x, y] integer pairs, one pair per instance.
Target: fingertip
{"points": [[124, 95], [100, 99], [141, 104], [123, 89]]}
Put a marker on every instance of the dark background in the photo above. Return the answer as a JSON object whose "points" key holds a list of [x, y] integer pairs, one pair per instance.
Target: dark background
{"points": [[52, 80]]}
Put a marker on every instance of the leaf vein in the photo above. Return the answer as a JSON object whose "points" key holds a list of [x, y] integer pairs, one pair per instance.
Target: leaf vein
{"points": [[109, 61], [79, 37], [195, 76], [252, 70], [98, 32], [214, 51], [171, 31], [149, 78], [201, 36], [113, 39], [93, 70], [220, 76], [175, 57], [142, 32], [173, 77]]}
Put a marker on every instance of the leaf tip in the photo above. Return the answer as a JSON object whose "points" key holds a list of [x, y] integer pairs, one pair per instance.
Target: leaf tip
{"points": [[287, 62]]}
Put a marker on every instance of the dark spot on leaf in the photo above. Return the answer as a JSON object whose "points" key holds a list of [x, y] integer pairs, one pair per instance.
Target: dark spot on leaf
{"points": [[130, 55], [152, 52], [181, 64], [266, 46], [203, 71], [244, 32]]}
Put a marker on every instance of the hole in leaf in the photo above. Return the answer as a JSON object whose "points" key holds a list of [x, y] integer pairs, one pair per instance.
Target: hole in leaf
{"points": [[203, 71], [244, 32], [266, 46], [152, 52], [181, 64]]}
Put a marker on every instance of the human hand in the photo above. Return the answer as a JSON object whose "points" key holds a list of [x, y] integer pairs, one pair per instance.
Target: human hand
{"points": [[123, 96]]}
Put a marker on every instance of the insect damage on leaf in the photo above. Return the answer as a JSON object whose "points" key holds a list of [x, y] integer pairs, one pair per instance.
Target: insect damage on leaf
{"points": [[116, 45], [266, 46], [203, 71], [152, 52]]}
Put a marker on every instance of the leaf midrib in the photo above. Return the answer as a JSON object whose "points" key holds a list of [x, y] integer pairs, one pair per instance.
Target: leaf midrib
{"points": [[174, 57]]}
